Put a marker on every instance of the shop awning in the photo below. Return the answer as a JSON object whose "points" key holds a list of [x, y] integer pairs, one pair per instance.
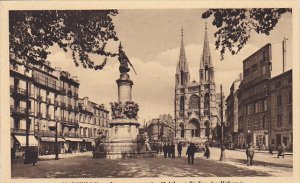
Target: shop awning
{"points": [[88, 139], [22, 140], [74, 139], [51, 139]]}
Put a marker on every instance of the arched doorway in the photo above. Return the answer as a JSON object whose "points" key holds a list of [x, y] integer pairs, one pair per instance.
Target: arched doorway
{"points": [[194, 127]]}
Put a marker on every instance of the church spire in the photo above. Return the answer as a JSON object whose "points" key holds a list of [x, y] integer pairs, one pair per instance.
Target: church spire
{"points": [[206, 66], [182, 65], [182, 68], [206, 56]]}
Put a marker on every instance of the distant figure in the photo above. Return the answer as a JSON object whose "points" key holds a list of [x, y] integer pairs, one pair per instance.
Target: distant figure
{"points": [[160, 147], [179, 149], [165, 150], [207, 151], [169, 150], [190, 152], [34, 157], [250, 154], [281, 151], [172, 149], [271, 149]]}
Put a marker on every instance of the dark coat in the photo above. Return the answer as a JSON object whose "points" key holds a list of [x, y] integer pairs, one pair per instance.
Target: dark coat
{"points": [[179, 147], [165, 148], [191, 150], [172, 148]]}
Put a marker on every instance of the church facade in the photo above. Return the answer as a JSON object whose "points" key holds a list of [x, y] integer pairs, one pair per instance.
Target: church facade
{"points": [[196, 107]]}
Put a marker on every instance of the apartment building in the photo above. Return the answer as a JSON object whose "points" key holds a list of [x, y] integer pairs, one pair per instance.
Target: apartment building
{"points": [[47, 99]]}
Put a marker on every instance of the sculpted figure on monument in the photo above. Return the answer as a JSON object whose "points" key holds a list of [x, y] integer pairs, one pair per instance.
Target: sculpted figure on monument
{"points": [[117, 110], [124, 61], [131, 109]]}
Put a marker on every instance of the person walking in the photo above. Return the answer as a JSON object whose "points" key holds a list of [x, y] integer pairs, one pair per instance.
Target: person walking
{"points": [[169, 150], [281, 151], [207, 151], [250, 154], [172, 147], [179, 149], [165, 150], [271, 149], [190, 152], [34, 157]]}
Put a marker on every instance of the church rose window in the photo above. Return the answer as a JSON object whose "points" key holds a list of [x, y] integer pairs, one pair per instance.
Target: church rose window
{"points": [[194, 102]]}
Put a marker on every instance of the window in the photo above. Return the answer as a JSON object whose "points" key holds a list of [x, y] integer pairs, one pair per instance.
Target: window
{"points": [[264, 122], [265, 105], [279, 120], [290, 118], [279, 100], [278, 84], [290, 97]]}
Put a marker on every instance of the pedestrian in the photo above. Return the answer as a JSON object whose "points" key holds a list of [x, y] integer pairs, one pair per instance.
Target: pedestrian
{"points": [[34, 157], [271, 149], [165, 150], [172, 147], [169, 150], [250, 154], [281, 151], [190, 152], [179, 149], [207, 151]]}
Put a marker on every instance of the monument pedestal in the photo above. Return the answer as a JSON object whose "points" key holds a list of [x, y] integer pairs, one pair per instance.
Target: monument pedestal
{"points": [[124, 127]]}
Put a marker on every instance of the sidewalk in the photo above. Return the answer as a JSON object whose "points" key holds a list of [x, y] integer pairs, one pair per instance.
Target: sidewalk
{"points": [[64, 156], [257, 151]]}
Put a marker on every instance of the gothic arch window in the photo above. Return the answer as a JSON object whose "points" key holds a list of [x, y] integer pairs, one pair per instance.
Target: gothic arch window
{"points": [[181, 105], [194, 102], [206, 103], [181, 130], [194, 126]]}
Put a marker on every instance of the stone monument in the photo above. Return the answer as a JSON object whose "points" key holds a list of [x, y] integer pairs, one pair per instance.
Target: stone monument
{"points": [[124, 138]]}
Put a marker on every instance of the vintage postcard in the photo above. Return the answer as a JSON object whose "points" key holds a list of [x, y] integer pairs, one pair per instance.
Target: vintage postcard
{"points": [[149, 91]]}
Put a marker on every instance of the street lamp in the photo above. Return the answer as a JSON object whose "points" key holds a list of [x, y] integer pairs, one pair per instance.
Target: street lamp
{"points": [[222, 156], [54, 128]]}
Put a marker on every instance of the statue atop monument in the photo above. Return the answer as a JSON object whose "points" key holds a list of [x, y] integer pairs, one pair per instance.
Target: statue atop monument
{"points": [[124, 61]]}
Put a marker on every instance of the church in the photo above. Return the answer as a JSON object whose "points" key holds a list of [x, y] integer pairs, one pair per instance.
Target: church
{"points": [[196, 103]]}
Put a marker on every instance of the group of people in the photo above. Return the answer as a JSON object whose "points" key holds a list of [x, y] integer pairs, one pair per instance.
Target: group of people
{"points": [[169, 150]]}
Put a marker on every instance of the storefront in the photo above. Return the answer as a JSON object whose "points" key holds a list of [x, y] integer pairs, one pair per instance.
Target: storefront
{"points": [[47, 145], [88, 144], [72, 145], [19, 145], [260, 139]]}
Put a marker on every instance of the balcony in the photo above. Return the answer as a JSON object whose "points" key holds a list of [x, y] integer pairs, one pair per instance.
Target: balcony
{"points": [[21, 91], [48, 100], [18, 110], [255, 97], [20, 131], [71, 134], [47, 133]]}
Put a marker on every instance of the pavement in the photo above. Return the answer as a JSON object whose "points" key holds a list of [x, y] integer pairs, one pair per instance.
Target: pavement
{"points": [[83, 165]]}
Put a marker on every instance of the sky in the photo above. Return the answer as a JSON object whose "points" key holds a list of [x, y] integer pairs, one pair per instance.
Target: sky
{"points": [[151, 40]]}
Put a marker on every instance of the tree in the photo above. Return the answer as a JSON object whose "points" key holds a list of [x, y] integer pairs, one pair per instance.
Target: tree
{"points": [[235, 25], [84, 32]]}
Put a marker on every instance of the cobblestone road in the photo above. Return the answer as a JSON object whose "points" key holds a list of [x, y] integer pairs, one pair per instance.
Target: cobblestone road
{"points": [[87, 167]]}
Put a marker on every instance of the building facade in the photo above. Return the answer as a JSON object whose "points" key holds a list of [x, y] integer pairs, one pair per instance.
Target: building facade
{"points": [[264, 104], [196, 110], [161, 129], [232, 114], [41, 99], [281, 104], [254, 96]]}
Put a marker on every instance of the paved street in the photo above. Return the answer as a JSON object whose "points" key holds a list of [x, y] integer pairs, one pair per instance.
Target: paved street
{"points": [[86, 166]]}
